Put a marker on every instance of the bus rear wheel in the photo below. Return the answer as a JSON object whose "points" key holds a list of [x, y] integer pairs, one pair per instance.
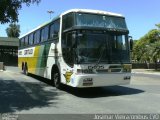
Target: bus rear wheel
{"points": [[25, 69]]}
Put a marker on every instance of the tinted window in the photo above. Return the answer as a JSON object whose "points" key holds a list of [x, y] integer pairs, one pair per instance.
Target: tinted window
{"points": [[31, 39], [68, 21], [37, 37], [102, 21], [26, 40], [22, 42], [44, 34], [68, 48], [51, 31], [54, 30]]}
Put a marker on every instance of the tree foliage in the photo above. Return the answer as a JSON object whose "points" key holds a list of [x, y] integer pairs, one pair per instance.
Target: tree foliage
{"points": [[147, 48], [9, 9], [13, 30]]}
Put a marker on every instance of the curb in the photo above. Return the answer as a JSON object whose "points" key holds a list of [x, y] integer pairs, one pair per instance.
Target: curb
{"points": [[154, 73]]}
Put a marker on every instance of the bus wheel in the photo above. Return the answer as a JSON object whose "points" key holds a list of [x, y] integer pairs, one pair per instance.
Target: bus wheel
{"points": [[25, 70], [56, 79], [22, 66]]}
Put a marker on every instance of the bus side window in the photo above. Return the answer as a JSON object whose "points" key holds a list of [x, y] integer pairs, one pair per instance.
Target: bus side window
{"points": [[26, 40], [54, 30], [51, 31], [67, 47], [37, 37], [34, 38], [68, 21], [31, 39], [46, 31], [44, 34], [22, 42]]}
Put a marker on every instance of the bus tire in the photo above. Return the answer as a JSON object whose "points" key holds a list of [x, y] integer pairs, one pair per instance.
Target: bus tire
{"points": [[25, 69], [22, 65], [56, 79]]}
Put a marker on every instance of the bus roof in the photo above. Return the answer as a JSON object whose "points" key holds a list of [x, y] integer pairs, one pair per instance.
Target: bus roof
{"points": [[93, 11], [75, 10]]}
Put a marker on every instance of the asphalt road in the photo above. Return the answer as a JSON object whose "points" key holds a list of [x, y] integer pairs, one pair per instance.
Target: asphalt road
{"points": [[22, 94]]}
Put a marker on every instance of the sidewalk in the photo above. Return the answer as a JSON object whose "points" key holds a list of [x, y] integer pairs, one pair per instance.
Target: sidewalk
{"points": [[146, 71], [12, 69]]}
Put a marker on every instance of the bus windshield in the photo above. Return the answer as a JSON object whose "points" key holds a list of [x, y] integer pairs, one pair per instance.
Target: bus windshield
{"points": [[102, 48], [97, 38], [93, 21], [100, 21]]}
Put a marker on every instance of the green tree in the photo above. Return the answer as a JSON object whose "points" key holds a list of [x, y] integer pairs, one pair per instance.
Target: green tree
{"points": [[9, 9], [155, 52], [155, 47], [13, 30], [158, 26], [146, 48], [139, 50]]}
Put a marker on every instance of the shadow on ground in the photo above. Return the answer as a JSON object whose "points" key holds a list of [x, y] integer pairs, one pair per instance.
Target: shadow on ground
{"points": [[24, 96], [95, 92], [101, 91], [42, 79]]}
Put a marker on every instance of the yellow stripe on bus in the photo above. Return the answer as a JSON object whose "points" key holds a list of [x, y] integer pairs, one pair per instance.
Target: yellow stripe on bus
{"points": [[31, 61]]}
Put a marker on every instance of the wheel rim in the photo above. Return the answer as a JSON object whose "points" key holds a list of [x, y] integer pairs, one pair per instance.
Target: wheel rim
{"points": [[24, 70], [56, 79]]}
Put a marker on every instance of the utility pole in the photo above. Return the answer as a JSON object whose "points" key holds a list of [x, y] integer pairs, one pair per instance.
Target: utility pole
{"points": [[50, 12]]}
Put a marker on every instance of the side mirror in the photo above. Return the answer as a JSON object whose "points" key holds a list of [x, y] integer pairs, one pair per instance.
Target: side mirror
{"points": [[131, 43]]}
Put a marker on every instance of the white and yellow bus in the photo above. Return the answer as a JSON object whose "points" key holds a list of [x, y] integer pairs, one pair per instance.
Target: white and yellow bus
{"points": [[79, 48]]}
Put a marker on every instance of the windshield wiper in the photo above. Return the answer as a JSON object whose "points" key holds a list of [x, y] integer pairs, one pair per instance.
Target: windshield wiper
{"points": [[120, 57], [103, 48]]}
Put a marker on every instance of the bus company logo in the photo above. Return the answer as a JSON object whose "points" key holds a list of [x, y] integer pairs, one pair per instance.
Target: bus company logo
{"points": [[97, 67], [28, 52], [67, 75], [20, 53]]}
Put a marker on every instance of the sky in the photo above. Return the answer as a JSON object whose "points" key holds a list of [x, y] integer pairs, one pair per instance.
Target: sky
{"points": [[141, 15]]}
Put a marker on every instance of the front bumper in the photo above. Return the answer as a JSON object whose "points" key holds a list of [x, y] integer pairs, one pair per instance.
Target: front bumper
{"points": [[99, 80]]}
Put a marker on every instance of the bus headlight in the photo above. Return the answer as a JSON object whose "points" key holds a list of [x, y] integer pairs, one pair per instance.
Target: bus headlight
{"points": [[127, 67]]}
